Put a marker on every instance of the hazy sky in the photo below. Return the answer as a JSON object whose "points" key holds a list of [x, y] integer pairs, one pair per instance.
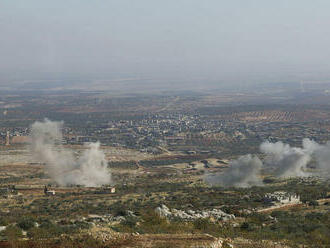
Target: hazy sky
{"points": [[238, 40]]}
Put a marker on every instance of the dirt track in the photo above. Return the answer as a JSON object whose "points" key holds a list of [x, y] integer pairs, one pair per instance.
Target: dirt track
{"points": [[284, 206]]}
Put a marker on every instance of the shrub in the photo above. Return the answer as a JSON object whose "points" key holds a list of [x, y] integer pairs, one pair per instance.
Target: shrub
{"points": [[313, 203], [26, 223], [245, 226], [130, 221], [3, 221], [201, 224], [12, 232]]}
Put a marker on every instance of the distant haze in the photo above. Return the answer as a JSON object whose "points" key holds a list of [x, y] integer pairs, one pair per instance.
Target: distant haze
{"points": [[214, 41]]}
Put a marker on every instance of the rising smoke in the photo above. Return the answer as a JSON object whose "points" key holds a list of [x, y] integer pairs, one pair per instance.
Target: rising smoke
{"points": [[321, 155], [90, 169], [243, 172], [284, 160]]}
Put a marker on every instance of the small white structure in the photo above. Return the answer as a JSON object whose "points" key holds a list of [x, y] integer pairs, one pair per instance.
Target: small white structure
{"points": [[49, 192], [107, 190]]}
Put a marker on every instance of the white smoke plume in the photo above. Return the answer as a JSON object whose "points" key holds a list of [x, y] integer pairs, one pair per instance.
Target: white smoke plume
{"points": [[243, 172], [293, 161], [321, 155], [62, 165], [286, 161]]}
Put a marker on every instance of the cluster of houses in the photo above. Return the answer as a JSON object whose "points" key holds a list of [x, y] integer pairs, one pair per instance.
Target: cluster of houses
{"points": [[282, 197]]}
